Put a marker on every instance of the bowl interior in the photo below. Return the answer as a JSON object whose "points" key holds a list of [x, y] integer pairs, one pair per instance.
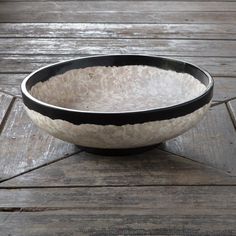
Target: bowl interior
{"points": [[118, 88]]}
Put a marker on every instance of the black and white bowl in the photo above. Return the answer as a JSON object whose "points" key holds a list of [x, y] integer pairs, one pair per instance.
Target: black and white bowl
{"points": [[117, 103]]}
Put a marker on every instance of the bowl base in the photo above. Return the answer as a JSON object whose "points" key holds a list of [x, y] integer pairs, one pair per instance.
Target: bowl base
{"points": [[118, 152]]}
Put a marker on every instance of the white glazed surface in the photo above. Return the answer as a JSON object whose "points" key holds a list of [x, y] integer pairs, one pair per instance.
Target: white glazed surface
{"points": [[111, 136], [118, 89]]}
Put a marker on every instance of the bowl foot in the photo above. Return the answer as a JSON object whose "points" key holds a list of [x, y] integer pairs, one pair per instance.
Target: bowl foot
{"points": [[118, 152]]}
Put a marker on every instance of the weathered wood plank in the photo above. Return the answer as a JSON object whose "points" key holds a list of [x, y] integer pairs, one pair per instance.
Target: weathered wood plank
{"points": [[217, 66], [86, 30], [10, 83], [24, 146], [232, 109], [160, 197], [72, 222], [151, 168], [115, 6], [225, 87], [5, 102], [109, 46], [212, 141], [10, 13], [120, 211]]}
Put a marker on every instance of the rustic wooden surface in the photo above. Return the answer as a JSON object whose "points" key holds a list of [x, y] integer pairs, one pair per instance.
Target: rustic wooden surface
{"points": [[232, 110], [158, 210], [217, 66], [212, 141], [122, 11], [167, 47], [155, 167], [25, 146], [114, 31], [184, 187], [5, 103]]}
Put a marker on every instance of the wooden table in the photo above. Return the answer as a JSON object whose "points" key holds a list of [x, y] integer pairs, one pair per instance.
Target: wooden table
{"points": [[185, 187]]}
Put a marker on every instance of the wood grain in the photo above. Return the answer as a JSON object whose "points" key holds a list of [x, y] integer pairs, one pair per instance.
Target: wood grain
{"points": [[232, 109], [73, 222], [225, 88], [86, 30], [217, 66], [92, 198], [120, 211], [84, 194], [11, 12], [24, 146], [168, 47], [212, 141], [151, 168], [116, 6], [5, 102], [10, 83]]}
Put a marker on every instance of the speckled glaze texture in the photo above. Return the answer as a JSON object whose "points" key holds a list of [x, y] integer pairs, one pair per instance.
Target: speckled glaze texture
{"points": [[111, 136], [118, 89]]}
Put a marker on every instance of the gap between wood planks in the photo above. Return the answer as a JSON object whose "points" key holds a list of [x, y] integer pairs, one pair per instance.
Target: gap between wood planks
{"points": [[38, 167], [113, 0], [7, 112], [123, 38], [231, 113]]}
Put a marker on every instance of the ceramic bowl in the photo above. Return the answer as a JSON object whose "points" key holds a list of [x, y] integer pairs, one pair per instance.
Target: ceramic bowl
{"points": [[117, 103]]}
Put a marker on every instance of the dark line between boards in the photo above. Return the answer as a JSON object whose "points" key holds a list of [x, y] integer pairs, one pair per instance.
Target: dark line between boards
{"points": [[116, 186], [38, 167], [7, 114]]}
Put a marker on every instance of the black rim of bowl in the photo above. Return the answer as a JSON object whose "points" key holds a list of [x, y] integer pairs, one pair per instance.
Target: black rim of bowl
{"points": [[116, 118]]}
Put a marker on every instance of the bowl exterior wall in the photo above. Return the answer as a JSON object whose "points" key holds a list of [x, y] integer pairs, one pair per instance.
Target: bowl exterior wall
{"points": [[118, 137]]}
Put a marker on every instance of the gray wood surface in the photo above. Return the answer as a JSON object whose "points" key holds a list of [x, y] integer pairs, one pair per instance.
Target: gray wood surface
{"points": [[232, 109], [11, 12], [49, 187], [10, 83], [212, 141], [114, 31], [5, 103], [168, 47], [155, 167], [217, 66], [119, 211], [225, 88], [74, 222], [144, 197], [25, 147], [117, 6]]}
